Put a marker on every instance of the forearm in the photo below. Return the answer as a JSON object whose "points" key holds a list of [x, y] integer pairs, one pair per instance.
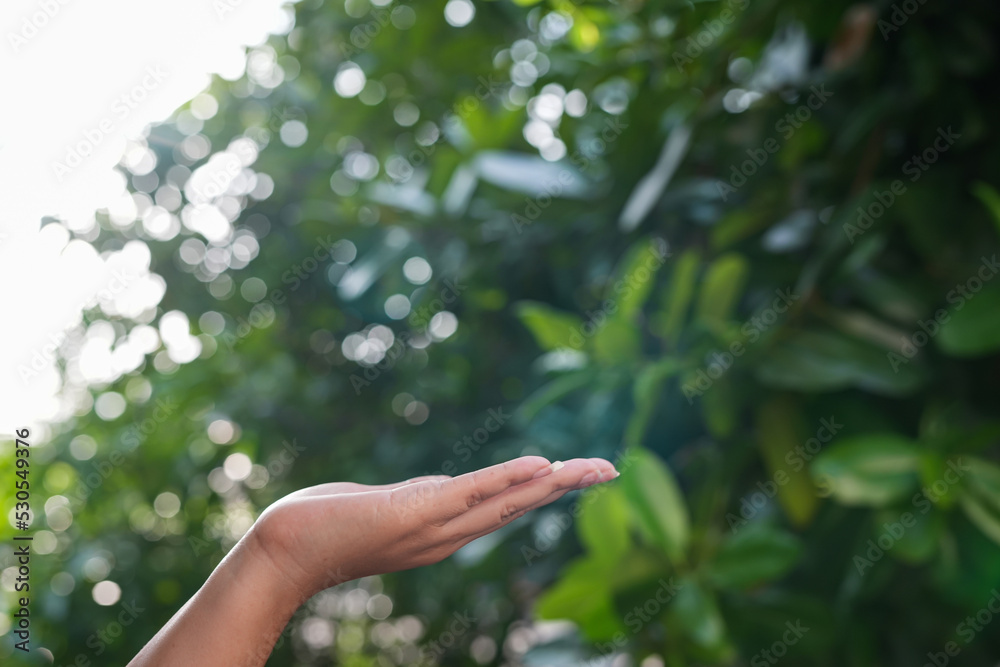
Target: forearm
{"points": [[235, 618]]}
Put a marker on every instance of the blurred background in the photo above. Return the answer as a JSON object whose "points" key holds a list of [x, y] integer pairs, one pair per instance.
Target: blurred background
{"points": [[744, 249]]}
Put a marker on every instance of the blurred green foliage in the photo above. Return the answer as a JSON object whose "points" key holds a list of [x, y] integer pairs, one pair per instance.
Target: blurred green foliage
{"points": [[756, 273]]}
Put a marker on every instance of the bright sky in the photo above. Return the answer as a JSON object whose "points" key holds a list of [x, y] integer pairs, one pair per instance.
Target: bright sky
{"points": [[81, 79]]}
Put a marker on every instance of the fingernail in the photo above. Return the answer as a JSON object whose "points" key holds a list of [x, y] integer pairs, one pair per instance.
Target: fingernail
{"points": [[548, 470], [590, 478], [617, 475]]}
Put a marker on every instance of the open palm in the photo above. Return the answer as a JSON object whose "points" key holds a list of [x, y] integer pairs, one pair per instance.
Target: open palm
{"points": [[330, 533]]}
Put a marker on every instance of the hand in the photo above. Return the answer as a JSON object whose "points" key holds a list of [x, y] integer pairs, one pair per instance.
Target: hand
{"points": [[331, 533]]}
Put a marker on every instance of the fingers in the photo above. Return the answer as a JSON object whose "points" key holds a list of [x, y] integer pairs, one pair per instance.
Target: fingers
{"points": [[518, 499], [456, 495]]}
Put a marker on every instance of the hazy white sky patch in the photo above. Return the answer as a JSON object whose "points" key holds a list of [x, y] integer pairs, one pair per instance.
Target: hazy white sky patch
{"points": [[81, 79]]}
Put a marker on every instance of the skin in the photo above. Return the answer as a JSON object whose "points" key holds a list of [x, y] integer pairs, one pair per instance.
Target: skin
{"points": [[325, 535]]}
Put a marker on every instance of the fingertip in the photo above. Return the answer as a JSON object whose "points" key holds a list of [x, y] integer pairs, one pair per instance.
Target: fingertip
{"points": [[549, 469], [537, 461]]}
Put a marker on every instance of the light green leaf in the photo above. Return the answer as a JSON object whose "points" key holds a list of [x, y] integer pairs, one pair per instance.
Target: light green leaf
{"points": [[779, 432], [919, 542], [722, 289], [972, 331], [871, 469], [695, 612], [635, 276], [603, 525], [552, 328], [658, 503], [991, 198], [670, 321], [720, 409], [582, 596], [985, 518], [617, 342]]}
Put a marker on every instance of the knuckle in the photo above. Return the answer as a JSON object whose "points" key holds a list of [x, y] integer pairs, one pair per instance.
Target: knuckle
{"points": [[474, 498], [510, 512]]}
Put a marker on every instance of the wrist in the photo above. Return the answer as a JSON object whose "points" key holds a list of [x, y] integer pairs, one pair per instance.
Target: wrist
{"points": [[275, 539]]}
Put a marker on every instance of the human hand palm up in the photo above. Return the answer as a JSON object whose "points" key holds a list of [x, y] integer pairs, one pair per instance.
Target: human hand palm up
{"points": [[330, 533]]}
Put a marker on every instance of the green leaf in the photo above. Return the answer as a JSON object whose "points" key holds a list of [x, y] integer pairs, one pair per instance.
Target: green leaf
{"points": [[815, 361], [695, 612], [779, 431], [736, 226], [552, 392], [678, 298], [984, 476], [552, 328], [754, 556], [584, 35], [582, 596], [722, 289], [871, 469], [981, 499], [972, 331], [720, 409], [658, 503], [919, 542], [635, 276], [986, 518], [991, 198], [603, 525], [645, 394], [617, 342]]}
